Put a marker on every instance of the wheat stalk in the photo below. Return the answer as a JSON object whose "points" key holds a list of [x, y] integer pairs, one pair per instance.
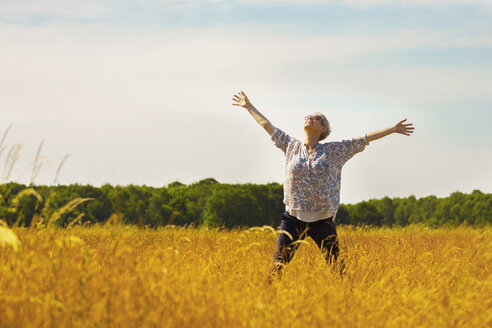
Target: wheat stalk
{"points": [[37, 163], [67, 208], [14, 204], [8, 238], [2, 147], [59, 167], [11, 159]]}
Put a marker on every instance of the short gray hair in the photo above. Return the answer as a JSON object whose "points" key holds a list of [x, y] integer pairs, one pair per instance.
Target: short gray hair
{"points": [[326, 124]]}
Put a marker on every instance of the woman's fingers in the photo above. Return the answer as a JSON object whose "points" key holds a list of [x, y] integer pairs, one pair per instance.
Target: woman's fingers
{"points": [[239, 99], [405, 129]]}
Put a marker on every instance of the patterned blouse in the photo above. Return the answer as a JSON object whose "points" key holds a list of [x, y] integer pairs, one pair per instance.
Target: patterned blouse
{"points": [[312, 182]]}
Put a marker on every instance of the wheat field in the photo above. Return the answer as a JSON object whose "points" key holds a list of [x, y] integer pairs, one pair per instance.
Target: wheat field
{"points": [[123, 276]]}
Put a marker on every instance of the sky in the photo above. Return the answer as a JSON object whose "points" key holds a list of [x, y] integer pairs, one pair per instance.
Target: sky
{"points": [[140, 92]]}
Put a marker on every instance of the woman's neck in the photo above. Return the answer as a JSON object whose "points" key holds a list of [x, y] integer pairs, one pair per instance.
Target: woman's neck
{"points": [[311, 140]]}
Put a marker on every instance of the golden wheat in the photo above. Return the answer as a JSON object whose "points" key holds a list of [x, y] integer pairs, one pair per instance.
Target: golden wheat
{"points": [[118, 276], [8, 238]]}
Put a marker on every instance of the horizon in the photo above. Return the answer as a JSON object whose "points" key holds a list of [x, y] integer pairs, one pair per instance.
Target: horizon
{"points": [[219, 182]]}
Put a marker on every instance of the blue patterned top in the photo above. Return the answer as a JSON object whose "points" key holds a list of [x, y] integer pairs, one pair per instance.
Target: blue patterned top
{"points": [[312, 182]]}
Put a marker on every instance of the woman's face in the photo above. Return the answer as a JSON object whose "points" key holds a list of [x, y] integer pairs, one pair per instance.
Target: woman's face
{"points": [[313, 122]]}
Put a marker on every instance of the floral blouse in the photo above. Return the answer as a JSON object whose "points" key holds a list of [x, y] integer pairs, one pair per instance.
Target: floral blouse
{"points": [[312, 182]]}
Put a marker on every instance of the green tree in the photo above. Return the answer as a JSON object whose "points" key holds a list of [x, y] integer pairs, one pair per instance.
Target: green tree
{"points": [[343, 216], [367, 213], [230, 206], [387, 209], [404, 209]]}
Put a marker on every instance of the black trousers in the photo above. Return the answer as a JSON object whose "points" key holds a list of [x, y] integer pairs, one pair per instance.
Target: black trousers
{"points": [[323, 233]]}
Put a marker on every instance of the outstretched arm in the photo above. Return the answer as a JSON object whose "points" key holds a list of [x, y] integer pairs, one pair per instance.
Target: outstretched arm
{"points": [[240, 99], [399, 127]]}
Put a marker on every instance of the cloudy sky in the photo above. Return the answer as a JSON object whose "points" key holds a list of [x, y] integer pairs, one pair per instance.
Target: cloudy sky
{"points": [[140, 92]]}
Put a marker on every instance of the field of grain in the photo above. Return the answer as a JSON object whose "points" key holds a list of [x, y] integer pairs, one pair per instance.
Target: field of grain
{"points": [[178, 277]]}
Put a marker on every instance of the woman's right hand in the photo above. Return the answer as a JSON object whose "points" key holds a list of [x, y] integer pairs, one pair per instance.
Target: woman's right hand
{"points": [[241, 100]]}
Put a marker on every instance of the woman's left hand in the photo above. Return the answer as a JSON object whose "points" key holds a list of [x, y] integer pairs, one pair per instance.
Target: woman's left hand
{"points": [[405, 129]]}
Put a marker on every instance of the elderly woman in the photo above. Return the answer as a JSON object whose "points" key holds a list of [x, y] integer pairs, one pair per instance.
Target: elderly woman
{"points": [[312, 181]]}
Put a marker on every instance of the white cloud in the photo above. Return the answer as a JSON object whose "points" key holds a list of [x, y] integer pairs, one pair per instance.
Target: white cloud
{"points": [[69, 10], [73, 10], [433, 4], [71, 71]]}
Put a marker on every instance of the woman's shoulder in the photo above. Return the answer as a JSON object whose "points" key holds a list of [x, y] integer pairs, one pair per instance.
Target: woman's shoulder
{"points": [[331, 144]]}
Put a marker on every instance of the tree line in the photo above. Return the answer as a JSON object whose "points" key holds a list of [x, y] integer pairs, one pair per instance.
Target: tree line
{"points": [[215, 204]]}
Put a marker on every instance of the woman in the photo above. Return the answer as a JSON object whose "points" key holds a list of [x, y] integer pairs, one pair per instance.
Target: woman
{"points": [[312, 181]]}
